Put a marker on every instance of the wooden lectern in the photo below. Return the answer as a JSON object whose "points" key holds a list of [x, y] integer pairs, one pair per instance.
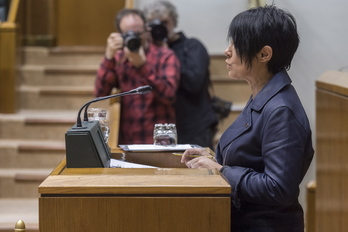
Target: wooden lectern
{"points": [[161, 199]]}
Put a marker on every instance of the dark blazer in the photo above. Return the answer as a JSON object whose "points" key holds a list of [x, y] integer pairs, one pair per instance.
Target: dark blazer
{"points": [[265, 153]]}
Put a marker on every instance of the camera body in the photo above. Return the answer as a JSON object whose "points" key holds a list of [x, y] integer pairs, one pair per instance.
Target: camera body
{"points": [[132, 41], [159, 32]]}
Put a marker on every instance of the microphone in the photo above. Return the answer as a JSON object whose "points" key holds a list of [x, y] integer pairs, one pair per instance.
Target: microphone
{"points": [[84, 142], [140, 90]]}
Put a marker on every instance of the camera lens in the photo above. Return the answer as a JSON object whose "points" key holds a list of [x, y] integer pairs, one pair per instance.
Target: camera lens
{"points": [[158, 30], [132, 41], [133, 44]]}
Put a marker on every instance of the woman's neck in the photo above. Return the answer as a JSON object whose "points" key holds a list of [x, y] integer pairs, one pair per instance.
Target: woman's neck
{"points": [[258, 82]]}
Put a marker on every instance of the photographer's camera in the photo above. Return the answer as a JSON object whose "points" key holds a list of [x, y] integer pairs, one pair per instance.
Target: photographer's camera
{"points": [[132, 41], [159, 32]]}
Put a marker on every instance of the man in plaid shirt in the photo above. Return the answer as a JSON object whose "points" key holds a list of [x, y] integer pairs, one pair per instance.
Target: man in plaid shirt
{"points": [[125, 70]]}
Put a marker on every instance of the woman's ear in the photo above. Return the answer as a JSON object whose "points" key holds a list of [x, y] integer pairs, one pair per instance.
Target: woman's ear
{"points": [[265, 54]]}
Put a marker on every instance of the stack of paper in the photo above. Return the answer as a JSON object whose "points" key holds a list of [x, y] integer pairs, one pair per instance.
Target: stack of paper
{"points": [[123, 164], [151, 147]]}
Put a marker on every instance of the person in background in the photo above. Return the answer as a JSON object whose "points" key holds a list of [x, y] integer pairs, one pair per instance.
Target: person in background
{"points": [[131, 61], [4, 5], [196, 120], [267, 150]]}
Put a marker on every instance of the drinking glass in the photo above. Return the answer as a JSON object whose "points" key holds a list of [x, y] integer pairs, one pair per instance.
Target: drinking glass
{"points": [[99, 114], [165, 134]]}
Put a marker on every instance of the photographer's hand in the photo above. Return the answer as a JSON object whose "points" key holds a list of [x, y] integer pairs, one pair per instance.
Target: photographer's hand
{"points": [[114, 42]]}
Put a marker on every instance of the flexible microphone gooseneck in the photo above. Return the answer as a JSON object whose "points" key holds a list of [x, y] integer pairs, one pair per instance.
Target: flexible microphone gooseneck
{"points": [[140, 90]]}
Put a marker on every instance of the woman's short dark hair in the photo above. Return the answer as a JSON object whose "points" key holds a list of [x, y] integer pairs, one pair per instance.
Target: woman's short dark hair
{"points": [[255, 28], [127, 11]]}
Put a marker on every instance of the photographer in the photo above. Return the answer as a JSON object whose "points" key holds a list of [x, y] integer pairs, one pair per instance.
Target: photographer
{"points": [[130, 61], [196, 119]]}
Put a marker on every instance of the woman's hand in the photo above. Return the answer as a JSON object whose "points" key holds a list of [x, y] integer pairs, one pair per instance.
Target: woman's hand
{"points": [[199, 158]]}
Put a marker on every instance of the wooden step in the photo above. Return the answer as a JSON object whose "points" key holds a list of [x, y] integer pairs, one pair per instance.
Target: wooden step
{"points": [[31, 153], [40, 124], [58, 75], [14, 209], [217, 65], [237, 91], [21, 182], [73, 50], [54, 97], [63, 55], [73, 97], [233, 90], [37, 124]]}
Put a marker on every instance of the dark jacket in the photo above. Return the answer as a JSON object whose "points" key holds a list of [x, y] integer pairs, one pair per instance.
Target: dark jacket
{"points": [[194, 112], [266, 152]]}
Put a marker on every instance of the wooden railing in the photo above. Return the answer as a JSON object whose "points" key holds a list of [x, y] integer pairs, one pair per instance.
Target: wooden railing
{"points": [[8, 38], [12, 15]]}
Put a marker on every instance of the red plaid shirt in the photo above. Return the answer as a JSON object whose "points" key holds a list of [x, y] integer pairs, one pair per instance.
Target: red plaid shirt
{"points": [[139, 112]]}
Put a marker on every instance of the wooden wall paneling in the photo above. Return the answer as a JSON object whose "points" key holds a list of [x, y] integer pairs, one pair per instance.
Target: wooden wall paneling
{"points": [[332, 152], [37, 22], [85, 22]]}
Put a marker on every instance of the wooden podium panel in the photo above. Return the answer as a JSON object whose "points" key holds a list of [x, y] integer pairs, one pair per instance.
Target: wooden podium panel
{"points": [[133, 214], [332, 152], [134, 199]]}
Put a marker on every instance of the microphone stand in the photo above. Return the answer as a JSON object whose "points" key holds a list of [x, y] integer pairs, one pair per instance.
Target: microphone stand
{"points": [[140, 90], [85, 145]]}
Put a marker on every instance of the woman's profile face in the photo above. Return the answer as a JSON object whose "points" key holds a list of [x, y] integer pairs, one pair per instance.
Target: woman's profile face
{"points": [[237, 69]]}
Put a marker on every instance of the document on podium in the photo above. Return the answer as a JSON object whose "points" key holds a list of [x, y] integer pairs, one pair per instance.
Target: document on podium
{"points": [[154, 148], [114, 163]]}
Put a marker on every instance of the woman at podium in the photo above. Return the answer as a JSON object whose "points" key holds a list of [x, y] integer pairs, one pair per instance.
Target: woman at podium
{"points": [[267, 150]]}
